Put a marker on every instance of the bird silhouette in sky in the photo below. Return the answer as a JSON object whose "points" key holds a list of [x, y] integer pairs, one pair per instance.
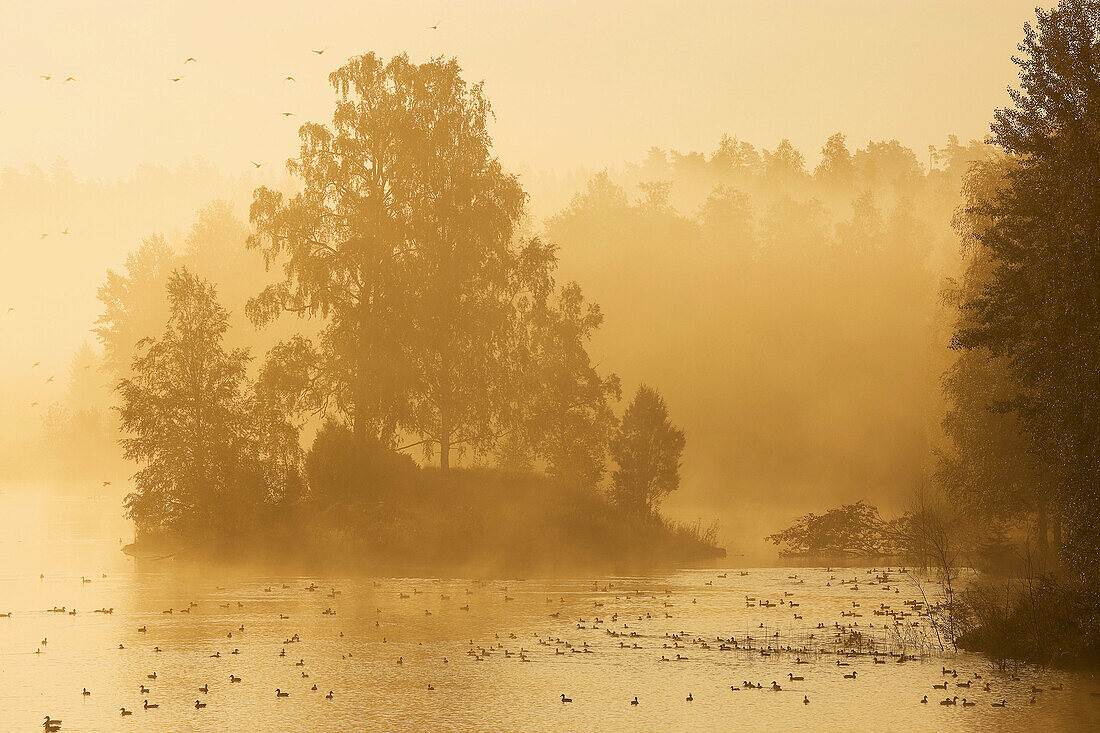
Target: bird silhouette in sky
{"points": [[49, 380], [289, 78], [190, 59], [10, 309], [106, 483], [35, 364], [321, 51], [45, 235], [65, 230], [68, 79], [433, 27], [34, 404], [288, 114], [255, 163], [177, 78], [47, 77]]}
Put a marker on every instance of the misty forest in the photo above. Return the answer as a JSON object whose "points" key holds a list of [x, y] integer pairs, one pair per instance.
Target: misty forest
{"points": [[394, 357]]}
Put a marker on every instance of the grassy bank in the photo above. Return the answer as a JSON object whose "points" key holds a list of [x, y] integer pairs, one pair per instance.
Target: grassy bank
{"points": [[1048, 619], [477, 519]]}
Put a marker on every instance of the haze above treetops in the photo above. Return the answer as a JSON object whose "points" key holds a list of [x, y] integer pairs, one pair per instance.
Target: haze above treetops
{"points": [[796, 374]]}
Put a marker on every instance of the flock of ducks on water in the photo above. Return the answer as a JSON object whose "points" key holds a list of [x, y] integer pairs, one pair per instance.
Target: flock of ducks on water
{"points": [[846, 641]]}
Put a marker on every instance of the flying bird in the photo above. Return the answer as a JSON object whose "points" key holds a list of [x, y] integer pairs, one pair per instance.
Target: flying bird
{"points": [[34, 404], [47, 77], [106, 483], [255, 163], [190, 59], [288, 114], [49, 380], [175, 78], [65, 230], [11, 309], [321, 51], [35, 364], [433, 27], [68, 79], [45, 235], [289, 78]]}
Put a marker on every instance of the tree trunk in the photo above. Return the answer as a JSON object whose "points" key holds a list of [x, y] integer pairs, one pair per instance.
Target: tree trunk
{"points": [[1056, 535], [1041, 530], [359, 418], [444, 415], [444, 442]]}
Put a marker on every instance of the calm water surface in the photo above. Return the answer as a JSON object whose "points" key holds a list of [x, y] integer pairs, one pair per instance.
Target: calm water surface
{"points": [[500, 665]]}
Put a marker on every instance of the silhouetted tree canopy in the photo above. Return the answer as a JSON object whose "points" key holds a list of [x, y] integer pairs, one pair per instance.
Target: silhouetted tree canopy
{"points": [[1036, 306], [184, 414], [403, 241], [647, 450]]}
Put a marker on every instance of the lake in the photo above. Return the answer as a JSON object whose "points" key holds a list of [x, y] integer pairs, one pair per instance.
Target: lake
{"points": [[475, 654]]}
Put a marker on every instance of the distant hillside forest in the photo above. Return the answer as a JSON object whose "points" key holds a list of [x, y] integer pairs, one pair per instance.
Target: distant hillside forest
{"points": [[1018, 473]]}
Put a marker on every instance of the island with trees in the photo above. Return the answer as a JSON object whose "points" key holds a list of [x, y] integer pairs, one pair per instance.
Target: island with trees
{"points": [[430, 325], [385, 363]]}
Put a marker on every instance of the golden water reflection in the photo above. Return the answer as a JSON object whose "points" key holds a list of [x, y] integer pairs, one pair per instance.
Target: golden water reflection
{"points": [[516, 683]]}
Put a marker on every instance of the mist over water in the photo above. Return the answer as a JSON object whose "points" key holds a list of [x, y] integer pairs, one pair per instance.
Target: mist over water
{"points": [[601, 366], [371, 691]]}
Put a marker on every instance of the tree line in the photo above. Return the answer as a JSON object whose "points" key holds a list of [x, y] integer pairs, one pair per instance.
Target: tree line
{"points": [[1019, 465]]}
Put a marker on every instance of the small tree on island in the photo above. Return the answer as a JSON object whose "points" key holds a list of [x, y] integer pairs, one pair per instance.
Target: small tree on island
{"points": [[647, 450], [855, 529], [184, 411]]}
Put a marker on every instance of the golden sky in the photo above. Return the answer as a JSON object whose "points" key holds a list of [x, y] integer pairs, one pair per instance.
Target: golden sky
{"points": [[573, 83]]}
